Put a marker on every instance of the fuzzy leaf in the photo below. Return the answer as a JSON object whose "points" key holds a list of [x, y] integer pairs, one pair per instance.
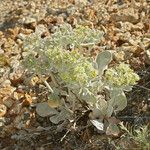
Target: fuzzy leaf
{"points": [[104, 108], [113, 120], [118, 100], [109, 111], [127, 88], [63, 115], [121, 102], [44, 110], [98, 124], [112, 129], [103, 59], [96, 113], [54, 100]]}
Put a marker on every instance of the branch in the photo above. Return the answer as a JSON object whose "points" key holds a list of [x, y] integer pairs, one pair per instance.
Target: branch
{"points": [[46, 83]]}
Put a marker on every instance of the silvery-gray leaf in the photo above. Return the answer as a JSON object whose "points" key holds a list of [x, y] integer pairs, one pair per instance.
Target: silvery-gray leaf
{"points": [[112, 129], [121, 102], [102, 106], [127, 88], [96, 113], [98, 124], [63, 115], [118, 100], [44, 110], [103, 59], [109, 111]]}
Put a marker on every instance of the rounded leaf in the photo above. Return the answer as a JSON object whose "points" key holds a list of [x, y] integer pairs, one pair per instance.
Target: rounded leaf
{"points": [[44, 110], [54, 101], [102, 60], [98, 124], [63, 115], [118, 100], [112, 129]]}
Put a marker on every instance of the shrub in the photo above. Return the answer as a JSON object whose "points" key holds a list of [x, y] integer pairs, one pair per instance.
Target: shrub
{"points": [[79, 77]]}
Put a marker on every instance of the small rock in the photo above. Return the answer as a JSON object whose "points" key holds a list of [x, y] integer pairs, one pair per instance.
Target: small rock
{"points": [[19, 42], [120, 56], [4, 60], [3, 110], [14, 63], [2, 121], [27, 100], [26, 31], [16, 77], [13, 32], [126, 15], [21, 36], [1, 71], [8, 102], [9, 43], [16, 108], [24, 54], [1, 33], [44, 110], [29, 20], [60, 20], [147, 57], [6, 83], [6, 92]]}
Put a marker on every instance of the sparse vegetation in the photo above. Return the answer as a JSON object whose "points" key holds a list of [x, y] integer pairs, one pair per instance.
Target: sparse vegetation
{"points": [[80, 75]]}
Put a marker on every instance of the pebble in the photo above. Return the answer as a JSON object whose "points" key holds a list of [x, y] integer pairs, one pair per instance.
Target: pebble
{"points": [[8, 102], [3, 110], [147, 57]]}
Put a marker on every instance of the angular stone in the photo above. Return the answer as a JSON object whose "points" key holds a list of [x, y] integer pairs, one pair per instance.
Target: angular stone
{"points": [[126, 15], [147, 57]]}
